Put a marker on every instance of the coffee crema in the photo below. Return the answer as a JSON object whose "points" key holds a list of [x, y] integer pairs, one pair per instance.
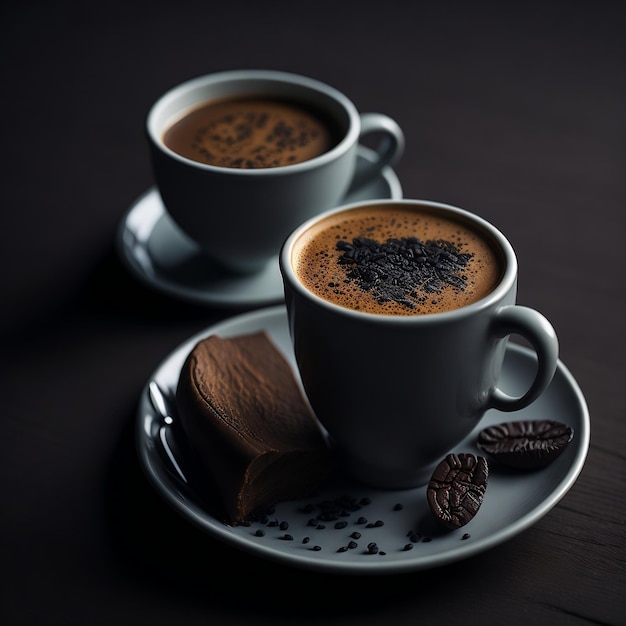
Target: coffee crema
{"points": [[397, 260], [251, 132]]}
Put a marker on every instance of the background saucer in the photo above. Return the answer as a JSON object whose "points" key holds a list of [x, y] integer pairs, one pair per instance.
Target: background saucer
{"points": [[513, 501], [156, 251]]}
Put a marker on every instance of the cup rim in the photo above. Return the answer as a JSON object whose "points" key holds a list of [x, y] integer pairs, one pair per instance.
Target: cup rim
{"points": [[350, 138], [507, 280]]}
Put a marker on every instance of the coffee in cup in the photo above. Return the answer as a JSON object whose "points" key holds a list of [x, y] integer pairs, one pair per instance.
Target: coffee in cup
{"points": [[242, 157], [399, 313], [395, 260], [251, 132]]}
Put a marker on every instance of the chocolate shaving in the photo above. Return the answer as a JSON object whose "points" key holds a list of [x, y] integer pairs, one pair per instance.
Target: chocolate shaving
{"points": [[404, 269]]}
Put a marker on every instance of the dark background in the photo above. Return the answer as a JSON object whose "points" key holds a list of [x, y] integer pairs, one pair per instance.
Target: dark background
{"points": [[515, 111]]}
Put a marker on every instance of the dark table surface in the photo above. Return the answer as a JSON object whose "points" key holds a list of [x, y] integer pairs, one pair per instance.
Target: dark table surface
{"points": [[515, 113]]}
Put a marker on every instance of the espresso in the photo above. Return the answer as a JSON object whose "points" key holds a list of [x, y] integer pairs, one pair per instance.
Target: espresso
{"points": [[397, 260], [251, 133]]}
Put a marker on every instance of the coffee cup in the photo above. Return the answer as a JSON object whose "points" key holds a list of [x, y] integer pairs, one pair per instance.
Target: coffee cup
{"points": [[399, 313], [241, 157]]}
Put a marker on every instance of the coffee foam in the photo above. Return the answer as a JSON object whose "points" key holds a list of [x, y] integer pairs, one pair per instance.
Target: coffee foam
{"points": [[316, 258], [250, 133]]}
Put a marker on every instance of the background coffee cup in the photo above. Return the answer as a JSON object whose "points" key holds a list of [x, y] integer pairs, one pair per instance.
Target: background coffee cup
{"points": [[397, 392], [240, 217]]}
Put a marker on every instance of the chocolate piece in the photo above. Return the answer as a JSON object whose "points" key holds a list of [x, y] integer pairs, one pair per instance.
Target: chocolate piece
{"points": [[525, 444], [456, 489], [249, 423]]}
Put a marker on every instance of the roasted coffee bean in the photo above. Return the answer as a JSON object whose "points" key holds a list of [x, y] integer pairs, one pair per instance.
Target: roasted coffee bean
{"points": [[525, 444], [456, 489]]}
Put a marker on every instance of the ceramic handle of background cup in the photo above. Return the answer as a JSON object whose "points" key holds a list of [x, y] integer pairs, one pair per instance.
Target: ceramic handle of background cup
{"points": [[388, 150], [530, 324]]}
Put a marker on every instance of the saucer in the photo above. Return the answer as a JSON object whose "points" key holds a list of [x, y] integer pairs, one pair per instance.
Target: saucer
{"points": [[512, 503], [159, 254]]}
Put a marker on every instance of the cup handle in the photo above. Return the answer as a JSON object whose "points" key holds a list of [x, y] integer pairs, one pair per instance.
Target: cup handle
{"points": [[388, 150], [530, 324]]}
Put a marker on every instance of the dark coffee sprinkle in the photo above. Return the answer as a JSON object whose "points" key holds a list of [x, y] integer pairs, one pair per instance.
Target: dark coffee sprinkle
{"points": [[320, 527], [340, 525], [426, 539], [352, 545], [343, 549], [355, 535], [415, 537], [399, 269], [284, 525], [408, 546], [398, 507], [312, 522], [466, 536], [365, 501], [273, 523], [362, 520], [376, 524], [382, 553], [259, 533], [372, 548], [306, 540], [316, 548], [287, 537]]}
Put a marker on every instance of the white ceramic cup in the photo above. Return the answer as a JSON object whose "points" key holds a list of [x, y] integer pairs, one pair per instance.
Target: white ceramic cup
{"points": [[396, 393], [240, 217]]}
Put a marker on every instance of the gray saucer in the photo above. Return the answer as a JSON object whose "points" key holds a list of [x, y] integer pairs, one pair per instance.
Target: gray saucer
{"points": [[160, 255], [514, 501]]}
